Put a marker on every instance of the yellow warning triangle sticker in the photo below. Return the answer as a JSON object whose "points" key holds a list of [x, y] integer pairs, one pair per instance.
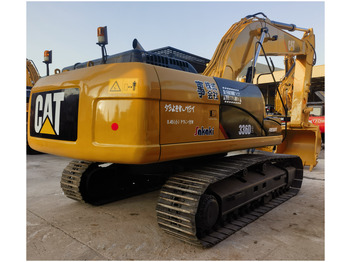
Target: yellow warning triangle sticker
{"points": [[115, 87], [47, 128]]}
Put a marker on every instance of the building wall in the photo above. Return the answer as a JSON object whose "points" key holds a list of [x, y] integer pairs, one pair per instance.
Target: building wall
{"points": [[268, 87]]}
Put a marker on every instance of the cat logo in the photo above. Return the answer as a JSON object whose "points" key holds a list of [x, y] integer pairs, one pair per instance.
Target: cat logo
{"points": [[46, 124], [54, 114]]}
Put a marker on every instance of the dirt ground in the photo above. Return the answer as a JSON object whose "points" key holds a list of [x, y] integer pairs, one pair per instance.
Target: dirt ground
{"points": [[59, 228]]}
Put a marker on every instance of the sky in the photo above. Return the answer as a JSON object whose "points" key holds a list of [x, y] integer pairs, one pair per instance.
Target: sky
{"points": [[69, 29]]}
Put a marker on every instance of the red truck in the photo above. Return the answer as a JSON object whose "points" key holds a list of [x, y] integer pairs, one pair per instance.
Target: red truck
{"points": [[317, 116]]}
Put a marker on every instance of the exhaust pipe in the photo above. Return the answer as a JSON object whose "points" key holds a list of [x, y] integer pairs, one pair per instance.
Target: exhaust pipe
{"points": [[136, 45]]}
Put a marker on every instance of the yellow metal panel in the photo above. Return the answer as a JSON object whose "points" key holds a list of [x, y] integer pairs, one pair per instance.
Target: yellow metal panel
{"points": [[182, 86], [97, 81], [143, 154], [186, 150], [184, 122], [122, 120], [126, 122], [189, 108], [135, 110]]}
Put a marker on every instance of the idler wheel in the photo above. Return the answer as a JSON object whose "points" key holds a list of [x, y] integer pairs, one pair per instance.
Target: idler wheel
{"points": [[207, 212]]}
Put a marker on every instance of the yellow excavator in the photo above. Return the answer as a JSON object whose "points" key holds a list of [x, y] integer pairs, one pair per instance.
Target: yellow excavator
{"points": [[139, 121], [32, 77]]}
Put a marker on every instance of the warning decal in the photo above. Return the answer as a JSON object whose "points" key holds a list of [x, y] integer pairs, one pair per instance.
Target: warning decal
{"points": [[122, 85], [115, 87]]}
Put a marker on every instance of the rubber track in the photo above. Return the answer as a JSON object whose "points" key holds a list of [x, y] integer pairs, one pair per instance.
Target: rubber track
{"points": [[179, 198]]}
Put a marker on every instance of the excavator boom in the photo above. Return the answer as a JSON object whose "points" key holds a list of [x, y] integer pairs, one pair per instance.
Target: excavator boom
{"points": [[237, 47], [251, 37]]}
